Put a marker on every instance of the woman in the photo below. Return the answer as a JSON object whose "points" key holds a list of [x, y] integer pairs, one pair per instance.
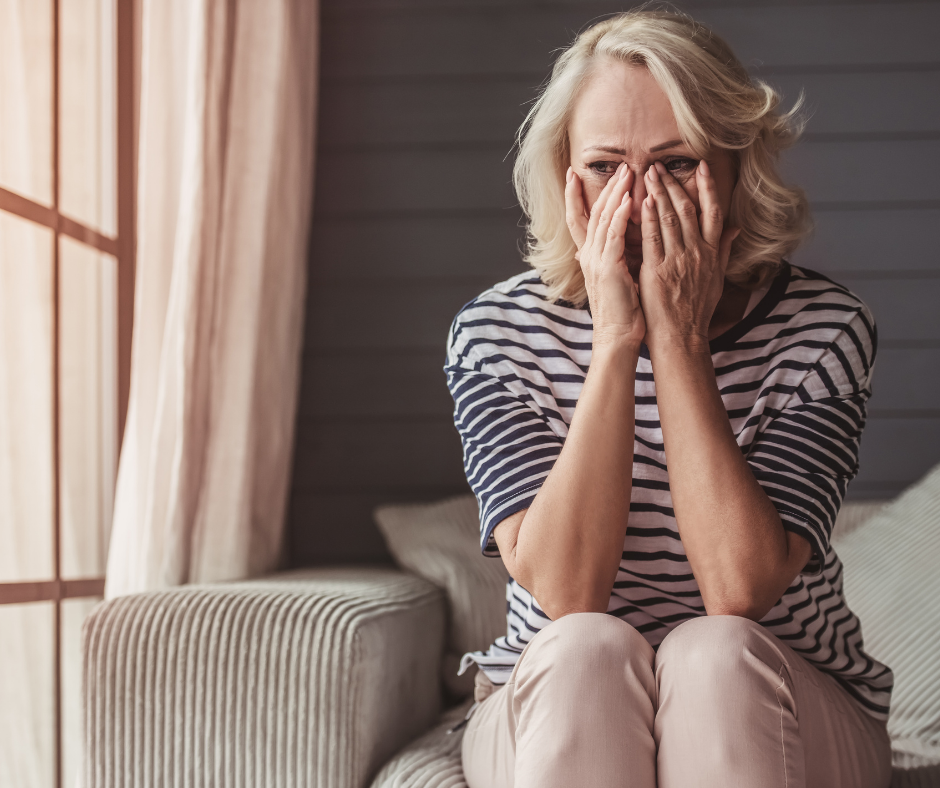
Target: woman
{"points": [[660, 423]]}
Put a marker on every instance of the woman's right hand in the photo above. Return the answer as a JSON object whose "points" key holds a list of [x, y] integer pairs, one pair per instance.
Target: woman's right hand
{"points": [[599, 236]]}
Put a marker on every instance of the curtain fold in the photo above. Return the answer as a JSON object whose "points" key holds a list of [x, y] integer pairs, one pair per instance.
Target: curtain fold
{"points": [[225, 181]]}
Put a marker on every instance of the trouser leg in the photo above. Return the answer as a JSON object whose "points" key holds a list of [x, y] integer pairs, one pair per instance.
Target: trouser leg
{"points": [[577, 711], [739, 708]]}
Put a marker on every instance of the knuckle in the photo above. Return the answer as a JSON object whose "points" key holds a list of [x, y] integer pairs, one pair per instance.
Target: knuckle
{"points": [[715, 214], [669, 220], [687, 209]]}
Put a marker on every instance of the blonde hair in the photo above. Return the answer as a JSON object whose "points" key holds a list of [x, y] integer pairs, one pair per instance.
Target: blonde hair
{"points": [[716, 104]]}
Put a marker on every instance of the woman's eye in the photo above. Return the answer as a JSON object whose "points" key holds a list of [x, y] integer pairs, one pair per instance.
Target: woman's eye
{"points": [[604, 167], [681, 166]]}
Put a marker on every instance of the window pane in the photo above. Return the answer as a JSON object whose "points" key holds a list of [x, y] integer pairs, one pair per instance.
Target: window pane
{"points": [[87, 405], [87, 97], [26, 98], [74, 612], [26, 477], [27, 722]]}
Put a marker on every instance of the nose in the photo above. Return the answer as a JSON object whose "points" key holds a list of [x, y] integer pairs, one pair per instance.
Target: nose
{"points": [[638, 192]]}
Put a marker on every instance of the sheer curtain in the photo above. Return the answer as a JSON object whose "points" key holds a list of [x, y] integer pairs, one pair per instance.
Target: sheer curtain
{"points": [[225, 177], [26, 441]]}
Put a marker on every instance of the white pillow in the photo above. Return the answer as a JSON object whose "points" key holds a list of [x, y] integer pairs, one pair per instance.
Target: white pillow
{"points": [[892, 584], [853, 514], [440, 542]]}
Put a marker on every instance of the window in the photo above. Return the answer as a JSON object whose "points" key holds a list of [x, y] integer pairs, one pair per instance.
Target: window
{"points": [[66, 301]]}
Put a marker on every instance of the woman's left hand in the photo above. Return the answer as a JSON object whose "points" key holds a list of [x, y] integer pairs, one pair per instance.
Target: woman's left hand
{"points": [[685, 256]]}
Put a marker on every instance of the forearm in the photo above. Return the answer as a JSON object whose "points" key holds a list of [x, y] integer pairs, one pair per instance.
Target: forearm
{"points": [[571, 539], [734, 540]]}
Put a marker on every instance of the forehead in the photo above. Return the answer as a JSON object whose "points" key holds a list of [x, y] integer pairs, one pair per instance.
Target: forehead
{"points": [[621, 106]]}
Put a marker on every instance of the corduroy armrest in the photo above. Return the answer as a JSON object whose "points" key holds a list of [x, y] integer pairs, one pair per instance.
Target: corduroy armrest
{"points": [[306, 678]]}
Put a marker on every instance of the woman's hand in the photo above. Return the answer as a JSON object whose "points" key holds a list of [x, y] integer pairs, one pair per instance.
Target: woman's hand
{"points": [[685, 256], [599, 236]]}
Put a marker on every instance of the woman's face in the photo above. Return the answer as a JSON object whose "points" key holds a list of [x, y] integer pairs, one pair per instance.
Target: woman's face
{"points": [[624, 116]]}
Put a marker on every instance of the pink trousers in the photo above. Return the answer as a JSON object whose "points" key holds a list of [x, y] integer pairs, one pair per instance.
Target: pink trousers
{"points": [[722, 703]]}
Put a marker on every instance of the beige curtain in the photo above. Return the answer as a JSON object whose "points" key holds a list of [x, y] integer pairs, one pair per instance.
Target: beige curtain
{"points": [[26, 457], [227, 124]]}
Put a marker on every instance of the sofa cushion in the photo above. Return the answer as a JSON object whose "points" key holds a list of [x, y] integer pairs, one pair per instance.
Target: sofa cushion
{"points": [[440, 542], [892, 584], [432, 761]]}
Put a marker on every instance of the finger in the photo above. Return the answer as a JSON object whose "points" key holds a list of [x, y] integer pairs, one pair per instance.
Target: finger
{"points": [[624, 179], [669, 227], [653, 251], [614, 249], [599, 204], [684, 207], [575, 215], [712, 219], [614, 246]]}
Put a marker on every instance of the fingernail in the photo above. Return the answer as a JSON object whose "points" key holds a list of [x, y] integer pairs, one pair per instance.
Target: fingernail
{"points": [[648, 202], [703, 166], [660, 168], [568, 175], [623, 170], [652, 174]]}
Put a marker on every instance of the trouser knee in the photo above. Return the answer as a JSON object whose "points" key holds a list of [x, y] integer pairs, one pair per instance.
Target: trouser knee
{"points": [[586, 647]]}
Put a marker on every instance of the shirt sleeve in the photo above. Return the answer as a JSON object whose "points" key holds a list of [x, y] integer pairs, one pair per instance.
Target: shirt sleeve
{"points": [[508, 445], [805, 457]]}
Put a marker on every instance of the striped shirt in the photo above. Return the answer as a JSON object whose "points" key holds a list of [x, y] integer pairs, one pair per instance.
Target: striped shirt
{"points": [[794, 375]]}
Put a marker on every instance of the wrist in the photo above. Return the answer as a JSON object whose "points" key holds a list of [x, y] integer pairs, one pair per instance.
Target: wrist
{"points": [[620, 350], [685, 344]]}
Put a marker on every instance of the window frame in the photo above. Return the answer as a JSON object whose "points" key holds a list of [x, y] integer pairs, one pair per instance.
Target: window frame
{"points": [[122, 248]]}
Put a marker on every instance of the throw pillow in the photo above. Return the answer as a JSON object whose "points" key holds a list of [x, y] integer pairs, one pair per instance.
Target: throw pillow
{"points": [[440, 542], [853, 514], [892, 584]]}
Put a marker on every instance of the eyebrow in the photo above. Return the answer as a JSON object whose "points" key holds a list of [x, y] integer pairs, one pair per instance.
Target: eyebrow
{"points": [[622, 152]]}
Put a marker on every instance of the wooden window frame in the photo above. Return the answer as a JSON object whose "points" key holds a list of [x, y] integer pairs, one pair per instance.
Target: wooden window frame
{"points": [[122, 248]]}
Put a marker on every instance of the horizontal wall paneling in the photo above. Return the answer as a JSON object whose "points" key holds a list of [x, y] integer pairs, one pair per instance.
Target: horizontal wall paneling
{"points": [[505, 39], [415, 215]]}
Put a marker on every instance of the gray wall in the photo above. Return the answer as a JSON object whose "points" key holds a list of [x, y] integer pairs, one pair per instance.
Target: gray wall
{"points": [[415, 216]]}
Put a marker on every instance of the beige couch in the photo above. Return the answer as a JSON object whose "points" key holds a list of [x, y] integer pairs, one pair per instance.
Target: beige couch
{"points": [[344, 677]]}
